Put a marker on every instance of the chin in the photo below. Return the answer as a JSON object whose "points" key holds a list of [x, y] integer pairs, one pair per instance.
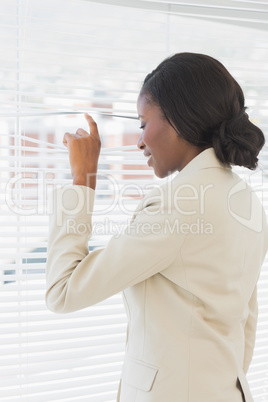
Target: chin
{"points": [[162, 175], [163, 172]]}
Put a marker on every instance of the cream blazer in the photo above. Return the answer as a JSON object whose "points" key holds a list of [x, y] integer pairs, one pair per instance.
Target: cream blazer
{"points": [[188, 265]]}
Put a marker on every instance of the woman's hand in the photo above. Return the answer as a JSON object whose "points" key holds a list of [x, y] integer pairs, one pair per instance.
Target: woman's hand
{"points": [[84, 150]]}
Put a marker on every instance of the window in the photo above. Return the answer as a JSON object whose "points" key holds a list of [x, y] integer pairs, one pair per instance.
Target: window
{"points": [[58, 59]]}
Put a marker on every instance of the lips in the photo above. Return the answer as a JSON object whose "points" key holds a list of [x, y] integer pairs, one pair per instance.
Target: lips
{"points": [[147, 155]]}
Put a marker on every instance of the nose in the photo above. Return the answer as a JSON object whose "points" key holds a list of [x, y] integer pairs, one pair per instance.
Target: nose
{"points": [[140, 143]]}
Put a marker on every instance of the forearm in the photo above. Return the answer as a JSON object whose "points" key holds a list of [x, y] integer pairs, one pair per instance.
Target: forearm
{"points": [[69, 231]]}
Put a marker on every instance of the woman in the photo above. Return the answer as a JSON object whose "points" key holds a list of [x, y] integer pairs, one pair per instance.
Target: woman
{"points": [[189, 282]]}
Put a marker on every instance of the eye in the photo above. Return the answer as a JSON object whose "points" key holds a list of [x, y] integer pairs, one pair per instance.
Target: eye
{"points": [[142, 126]]}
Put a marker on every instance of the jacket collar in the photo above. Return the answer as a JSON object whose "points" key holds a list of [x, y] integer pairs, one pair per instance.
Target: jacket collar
{"points": [[206, 159]]}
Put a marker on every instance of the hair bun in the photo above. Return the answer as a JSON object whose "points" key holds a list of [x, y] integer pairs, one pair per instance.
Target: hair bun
{"points": [[238, 141]]}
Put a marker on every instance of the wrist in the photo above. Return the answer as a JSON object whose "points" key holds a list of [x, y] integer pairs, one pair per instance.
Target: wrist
{"points": [[89, 180]]}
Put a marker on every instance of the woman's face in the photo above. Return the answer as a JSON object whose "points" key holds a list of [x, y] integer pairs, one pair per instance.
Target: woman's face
{"points": [[167, 151]]}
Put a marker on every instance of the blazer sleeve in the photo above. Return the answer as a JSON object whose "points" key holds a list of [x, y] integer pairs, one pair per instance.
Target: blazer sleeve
{"points": [[77, 278], [250, 330]]}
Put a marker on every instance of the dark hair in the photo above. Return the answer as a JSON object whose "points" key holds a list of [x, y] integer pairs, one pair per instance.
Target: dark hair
{"points": [[206, 106]]}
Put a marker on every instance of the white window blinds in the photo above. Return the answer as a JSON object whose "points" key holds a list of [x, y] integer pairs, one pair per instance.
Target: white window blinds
{"points": [[58, 59]]}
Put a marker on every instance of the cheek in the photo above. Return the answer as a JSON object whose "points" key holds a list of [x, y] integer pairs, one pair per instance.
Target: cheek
{"points": [[154, 138], [148, 136]]}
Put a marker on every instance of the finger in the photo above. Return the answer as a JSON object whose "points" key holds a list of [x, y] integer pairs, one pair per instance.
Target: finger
{"points": [[82, 133], [92, 126], [67, 138]]}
